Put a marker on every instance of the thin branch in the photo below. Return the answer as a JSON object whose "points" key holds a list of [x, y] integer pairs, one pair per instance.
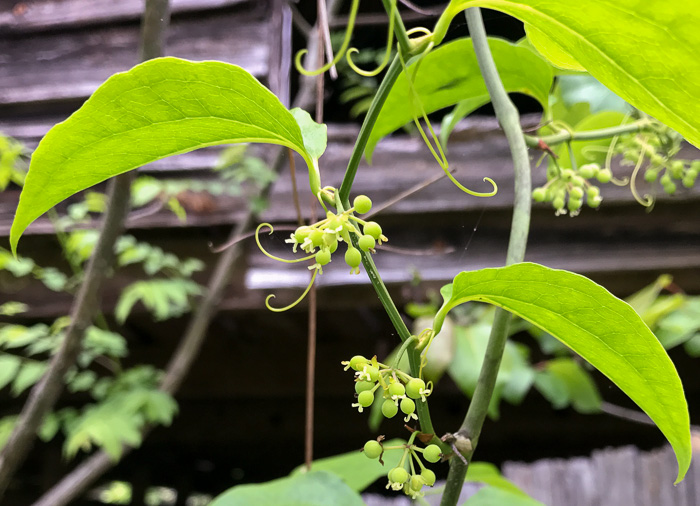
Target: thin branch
{"points": [[589, 135], [509, 119], [75, 483], [46, 392], [325, 33]]}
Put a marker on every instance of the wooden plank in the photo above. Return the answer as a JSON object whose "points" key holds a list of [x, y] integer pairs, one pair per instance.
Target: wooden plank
{"points": [[579, 482], [615, 475], [35, 15], [57, 66]]}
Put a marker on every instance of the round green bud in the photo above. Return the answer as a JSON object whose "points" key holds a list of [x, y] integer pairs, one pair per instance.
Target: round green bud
{"points": [[301, 234], [373, 449], [604, 176], [631, 155], [316, 237], [539, 194], [333, 247], [366, 242], [691, 172], [330, 238], [353, 257], [372, 228], [397, 389], [389, 408], [398, 475], [656, 159], [373, 372], [365, 398], [413, 388], [362, 386], [688, 182], [416, 482], [593, 191], [362, 204], [695, 166], [666, 179], [428, 476], [407, 406], [432, 453], [594, 202], [576, 193], [670, 188], [558, 203], [574, 205], [567, 174], [650, 175], [358, 362], [589, 170], [677, 169], [578, 181], [334, 224], [323, 257]]}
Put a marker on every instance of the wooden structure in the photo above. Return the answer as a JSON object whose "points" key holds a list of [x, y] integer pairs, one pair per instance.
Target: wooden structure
{"points": [[53, 54]]}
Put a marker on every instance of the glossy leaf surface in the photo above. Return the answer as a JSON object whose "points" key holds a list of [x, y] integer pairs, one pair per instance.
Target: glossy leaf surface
{"points": [[601, 328], [160, 108], [645, 52]]}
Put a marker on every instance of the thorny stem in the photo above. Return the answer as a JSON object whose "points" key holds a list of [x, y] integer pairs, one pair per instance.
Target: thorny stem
{"points": [[509, 119]]}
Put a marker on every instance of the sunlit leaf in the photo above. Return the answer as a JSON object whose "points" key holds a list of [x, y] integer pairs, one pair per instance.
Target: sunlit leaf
{"points": [[645, 52], [601, 328], [160, 108], [494, 496]]}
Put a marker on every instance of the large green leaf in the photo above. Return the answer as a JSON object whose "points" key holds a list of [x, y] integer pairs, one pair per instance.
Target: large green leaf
{"points": [[487, 473], [354, 468], [160, 108], [646, 52], [316, 488], [450, 74], [601, 328]]}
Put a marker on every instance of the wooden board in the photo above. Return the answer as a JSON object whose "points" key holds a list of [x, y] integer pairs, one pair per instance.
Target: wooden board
{"points": [[53, 67]]}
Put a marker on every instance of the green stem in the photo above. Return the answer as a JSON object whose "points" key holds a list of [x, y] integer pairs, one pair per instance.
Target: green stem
{"points": [[589, 135], [399, 28], [509, 119], [358, 151], [403, 348]]}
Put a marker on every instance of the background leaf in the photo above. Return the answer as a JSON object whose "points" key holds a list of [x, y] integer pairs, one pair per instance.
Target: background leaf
{"points": [[601, 328], [450, 74], [316, 488], [160, 108], [494, 496], [354, 468]]}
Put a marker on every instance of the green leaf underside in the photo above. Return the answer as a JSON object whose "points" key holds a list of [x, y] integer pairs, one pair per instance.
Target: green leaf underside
{"points": [[316, 488], [450, 74], [601, 328], [644, 51], [551, 50], [354, 468], [159, 108]]}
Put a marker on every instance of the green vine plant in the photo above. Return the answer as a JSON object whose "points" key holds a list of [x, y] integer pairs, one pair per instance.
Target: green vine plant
{"points": [[223, 104]]}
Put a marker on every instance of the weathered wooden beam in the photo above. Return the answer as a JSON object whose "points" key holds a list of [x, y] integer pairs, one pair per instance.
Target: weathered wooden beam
{"points": [[54, 67], [36, 15]]}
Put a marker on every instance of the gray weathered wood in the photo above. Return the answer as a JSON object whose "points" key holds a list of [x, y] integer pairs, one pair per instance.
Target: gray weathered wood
{"points": [[55, 66], [610, 477], [51, 14]]}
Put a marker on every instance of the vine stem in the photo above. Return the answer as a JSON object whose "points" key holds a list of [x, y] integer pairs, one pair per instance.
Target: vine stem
{"points": [[509, 119], [589, 135]]}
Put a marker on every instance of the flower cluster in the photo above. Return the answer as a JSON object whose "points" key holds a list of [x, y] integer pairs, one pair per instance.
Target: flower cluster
{"points": [[410, 475], [567, 189], [321, 240], [398, 389]]}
